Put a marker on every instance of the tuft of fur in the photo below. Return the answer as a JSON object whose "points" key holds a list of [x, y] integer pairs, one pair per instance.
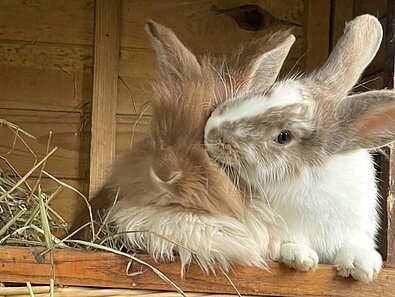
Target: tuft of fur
{"points": [[168, 184], [321, 181], [211, 241], [215, 233]]}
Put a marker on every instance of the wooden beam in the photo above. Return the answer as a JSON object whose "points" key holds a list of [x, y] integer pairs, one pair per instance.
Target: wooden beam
{"points": [[44, 291], [342, 12], [389, 40], [389, 67], [105, 81], [100, 269], [317, 19]]}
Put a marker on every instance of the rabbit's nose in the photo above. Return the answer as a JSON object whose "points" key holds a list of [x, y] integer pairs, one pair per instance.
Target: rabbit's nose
{"points": [[165, 167], [214, 137], [168, 178], [224, 139]]}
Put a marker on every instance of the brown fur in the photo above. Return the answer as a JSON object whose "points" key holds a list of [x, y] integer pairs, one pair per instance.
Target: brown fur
{"points": [[171, 167], [353, 52], [369, 117], [255, 65]]}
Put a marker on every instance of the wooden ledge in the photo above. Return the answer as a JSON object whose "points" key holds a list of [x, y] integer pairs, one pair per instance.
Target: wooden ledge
{"points": [[101, 269]]}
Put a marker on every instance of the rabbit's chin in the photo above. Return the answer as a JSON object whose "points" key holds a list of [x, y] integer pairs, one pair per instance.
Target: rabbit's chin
{"points": [[220, 241]]}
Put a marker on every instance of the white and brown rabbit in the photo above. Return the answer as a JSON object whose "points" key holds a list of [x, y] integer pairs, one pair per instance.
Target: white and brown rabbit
{"points": [[167, 182], [303, 145]]}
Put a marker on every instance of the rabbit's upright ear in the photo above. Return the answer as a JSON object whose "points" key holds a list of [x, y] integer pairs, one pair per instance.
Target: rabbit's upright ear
{"points": [[366, 120], [259, 62], [353, 53], [173, 57]]}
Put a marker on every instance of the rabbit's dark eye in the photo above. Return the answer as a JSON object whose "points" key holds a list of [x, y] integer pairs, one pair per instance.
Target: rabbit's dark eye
{"points": [[283, 137]]}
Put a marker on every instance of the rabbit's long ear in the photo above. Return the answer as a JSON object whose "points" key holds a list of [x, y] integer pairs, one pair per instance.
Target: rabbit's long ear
{"points": [[259, 62], [366, 120], [353, 53], [173, 57]]}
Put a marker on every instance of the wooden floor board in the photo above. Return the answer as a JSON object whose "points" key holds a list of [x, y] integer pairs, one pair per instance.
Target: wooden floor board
{"points": [[100, 269]]}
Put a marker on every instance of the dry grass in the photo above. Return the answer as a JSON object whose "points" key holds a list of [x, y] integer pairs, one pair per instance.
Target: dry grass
{"points": [[27, 219], [45, 291]]}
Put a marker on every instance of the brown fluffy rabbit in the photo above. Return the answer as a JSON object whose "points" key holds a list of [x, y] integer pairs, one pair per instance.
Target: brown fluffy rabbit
{"points": [[167, 183]]}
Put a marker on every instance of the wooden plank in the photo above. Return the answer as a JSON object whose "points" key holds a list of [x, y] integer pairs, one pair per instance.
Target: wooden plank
{"points": [[70, 59], [56, 78], [25, 87], [98, 269], [342, 12], [70, 133], [203, 25], [136, 70], [389, 81], [46, 77], [47, 21], [377, 8], [51, 75], [316, 32], [105, 80], [44, 291], [389, 44]]}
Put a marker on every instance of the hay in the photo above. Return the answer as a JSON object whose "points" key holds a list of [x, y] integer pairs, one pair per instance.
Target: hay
{"points": [[45, 291], [25, 215], [27, 219]]}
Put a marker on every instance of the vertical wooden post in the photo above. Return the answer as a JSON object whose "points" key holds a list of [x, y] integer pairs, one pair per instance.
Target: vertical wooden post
{"points": [[105, 79], [390, 46], [389, 68], [342, 12], [316, 32]]}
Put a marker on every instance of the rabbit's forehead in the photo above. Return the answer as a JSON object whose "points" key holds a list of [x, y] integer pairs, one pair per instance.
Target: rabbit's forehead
{"points": [[282, 95]]}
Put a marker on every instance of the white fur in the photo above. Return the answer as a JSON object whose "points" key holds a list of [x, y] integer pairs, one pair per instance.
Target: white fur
{"points": [[267, 228], [283, 94], [298, 256], [329, 208], [361, 263], [208, 240]]}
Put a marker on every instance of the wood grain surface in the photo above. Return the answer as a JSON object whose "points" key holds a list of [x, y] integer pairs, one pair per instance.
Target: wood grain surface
{"points": [[100, 269], [105, 90]]}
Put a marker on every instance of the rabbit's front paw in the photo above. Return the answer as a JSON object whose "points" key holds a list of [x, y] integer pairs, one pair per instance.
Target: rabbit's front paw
{"points": [[299, 257], [360, 263]]}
